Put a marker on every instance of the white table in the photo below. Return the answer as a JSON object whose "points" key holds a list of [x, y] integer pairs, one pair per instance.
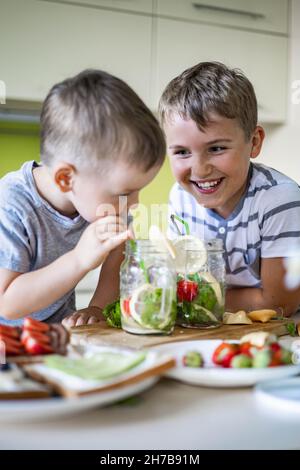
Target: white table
{"points": [[171, 415]]}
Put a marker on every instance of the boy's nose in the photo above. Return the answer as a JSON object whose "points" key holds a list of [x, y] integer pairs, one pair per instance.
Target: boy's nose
{"points": [[200, 168]]}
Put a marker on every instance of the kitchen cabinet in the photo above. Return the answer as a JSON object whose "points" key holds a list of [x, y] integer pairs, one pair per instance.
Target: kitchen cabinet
{"points": [[42, 43], [261, 56], [144, 42], [140, 6], [263, 15]]}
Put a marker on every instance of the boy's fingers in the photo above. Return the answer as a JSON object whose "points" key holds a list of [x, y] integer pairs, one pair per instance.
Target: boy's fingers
{"points": [[61, 335], [111, 228], [92, 320], [82, 320], [103, 236], [70, 321], [112, 242]]}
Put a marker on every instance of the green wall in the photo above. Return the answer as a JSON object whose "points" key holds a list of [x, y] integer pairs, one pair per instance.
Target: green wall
{"points": [[20, 142]]}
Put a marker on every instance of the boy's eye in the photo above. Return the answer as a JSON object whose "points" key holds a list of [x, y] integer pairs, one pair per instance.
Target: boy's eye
{"points": [[217, 149], [182, 153]]}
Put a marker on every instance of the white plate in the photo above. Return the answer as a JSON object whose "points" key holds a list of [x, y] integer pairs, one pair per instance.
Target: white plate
{"points": [[129, 383], [214, 376], [18, 410], [280, 394]]}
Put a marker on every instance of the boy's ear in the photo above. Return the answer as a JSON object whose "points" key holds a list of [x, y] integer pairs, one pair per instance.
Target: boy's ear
{"points": [[63, 177], [257, 141]]}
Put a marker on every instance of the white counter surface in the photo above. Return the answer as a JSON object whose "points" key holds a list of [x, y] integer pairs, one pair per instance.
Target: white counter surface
{"points": [[171, 415]]}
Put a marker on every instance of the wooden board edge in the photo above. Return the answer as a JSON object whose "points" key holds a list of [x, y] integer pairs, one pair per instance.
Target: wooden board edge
{"points": [[25, 395]]}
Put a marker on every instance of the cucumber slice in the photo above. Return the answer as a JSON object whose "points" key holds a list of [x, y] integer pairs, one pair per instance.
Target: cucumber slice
{"points": [[98, 367]]}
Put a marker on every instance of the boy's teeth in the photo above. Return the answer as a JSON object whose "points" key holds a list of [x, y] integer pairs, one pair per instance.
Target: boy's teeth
{"points": [[208, 184]]}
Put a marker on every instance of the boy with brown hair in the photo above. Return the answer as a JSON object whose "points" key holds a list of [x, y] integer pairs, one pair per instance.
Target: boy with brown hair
{"points": [[209, 115], [61, 218]]}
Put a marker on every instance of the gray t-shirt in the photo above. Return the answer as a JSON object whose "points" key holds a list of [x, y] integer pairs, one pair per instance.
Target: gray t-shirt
{"points": [[33, 235]]}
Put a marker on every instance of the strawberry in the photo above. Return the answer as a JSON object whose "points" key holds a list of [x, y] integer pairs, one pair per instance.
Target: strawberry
{"points": [[248, 349], [33, 347], [12, 341], [275, 347], [186, 290], [224, 353], [281, 357], [13, 351], [10, 331], [31, 324], [40, 337], [12, 345]]}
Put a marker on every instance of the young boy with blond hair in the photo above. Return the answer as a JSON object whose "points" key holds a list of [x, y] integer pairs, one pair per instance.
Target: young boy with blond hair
{"points": [[209, 115], [61, 218]]}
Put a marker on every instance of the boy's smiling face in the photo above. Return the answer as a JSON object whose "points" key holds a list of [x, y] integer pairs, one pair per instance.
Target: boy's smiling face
{"points": [[212, 164]]}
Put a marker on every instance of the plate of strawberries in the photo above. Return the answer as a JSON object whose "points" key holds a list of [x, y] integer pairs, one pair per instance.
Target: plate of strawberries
{"points": [[31, 341], [256, 357]]}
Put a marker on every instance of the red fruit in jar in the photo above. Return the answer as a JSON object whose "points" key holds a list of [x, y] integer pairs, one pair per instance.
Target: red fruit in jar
{"points": [[126, 307], [31, 324], [186, 290]]}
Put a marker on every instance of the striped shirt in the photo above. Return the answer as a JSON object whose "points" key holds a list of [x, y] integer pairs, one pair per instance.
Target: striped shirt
{"points": [[264, 224]]}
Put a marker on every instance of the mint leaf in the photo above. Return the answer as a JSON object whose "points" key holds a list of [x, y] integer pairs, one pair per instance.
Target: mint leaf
{"points": [[292, 329], [112, 314]]}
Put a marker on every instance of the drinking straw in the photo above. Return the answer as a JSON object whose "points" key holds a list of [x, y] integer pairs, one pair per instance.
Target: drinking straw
{"points": [[183, 222], [130, 224]]}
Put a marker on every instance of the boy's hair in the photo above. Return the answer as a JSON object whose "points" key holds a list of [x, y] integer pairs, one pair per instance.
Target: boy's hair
{"points": [[211, 87], [95, 116]]}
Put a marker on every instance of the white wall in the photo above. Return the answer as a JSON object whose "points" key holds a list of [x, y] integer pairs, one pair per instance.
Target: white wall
{"points": [[282, 145]]}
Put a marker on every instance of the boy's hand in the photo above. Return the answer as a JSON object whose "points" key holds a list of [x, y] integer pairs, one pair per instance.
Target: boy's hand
{"points": [[86, 316], [98, 239]]}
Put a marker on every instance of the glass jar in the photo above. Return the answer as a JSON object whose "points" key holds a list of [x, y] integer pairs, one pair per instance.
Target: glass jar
{"points": [[147, 289], [201, 287]]}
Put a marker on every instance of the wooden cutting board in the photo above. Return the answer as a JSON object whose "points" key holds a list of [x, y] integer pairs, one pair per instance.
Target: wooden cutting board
{"points": [[102, 334]]}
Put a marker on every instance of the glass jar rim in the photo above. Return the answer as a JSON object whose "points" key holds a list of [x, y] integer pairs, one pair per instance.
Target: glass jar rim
{"points": [[214, 245], [210, 250], [143, 246]]}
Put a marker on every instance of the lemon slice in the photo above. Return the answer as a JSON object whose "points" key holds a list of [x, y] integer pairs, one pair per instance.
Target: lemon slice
{"points": [[211, 280], [158, 237], [208, 313], [137, 299], [186, 261], [146, 314]]}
